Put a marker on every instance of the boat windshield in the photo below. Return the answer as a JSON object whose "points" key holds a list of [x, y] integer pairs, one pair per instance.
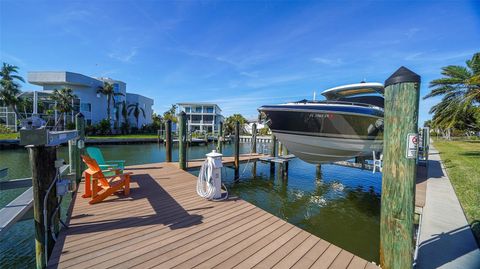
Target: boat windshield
{"points": [[351, 90]]}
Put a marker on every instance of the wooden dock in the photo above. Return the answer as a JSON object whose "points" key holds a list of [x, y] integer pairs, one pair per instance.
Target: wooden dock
{"points": [[165, 224], [227, 161]]}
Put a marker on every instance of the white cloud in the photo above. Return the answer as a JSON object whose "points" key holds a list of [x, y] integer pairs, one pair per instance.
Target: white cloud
{"points": [[72, 15], [249, 74], [411, 32], [327, 61], [123, 56], [12, 59]]}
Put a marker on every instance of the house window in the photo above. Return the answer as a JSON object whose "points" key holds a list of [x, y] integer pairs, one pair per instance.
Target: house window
{"points": [[198, 109], [86, 107], [209, 109], [187, 109]]}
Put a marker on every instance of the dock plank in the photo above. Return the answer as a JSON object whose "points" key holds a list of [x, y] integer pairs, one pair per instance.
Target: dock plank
{"points": [[327, 257], [342, 260], [163, 223], [233, 246], [312, 255], [283, 251], [293, 257]]}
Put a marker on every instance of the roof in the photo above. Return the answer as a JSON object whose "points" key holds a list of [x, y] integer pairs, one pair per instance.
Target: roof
{"points": [[353, 89], [198, 104], [61, 78]]}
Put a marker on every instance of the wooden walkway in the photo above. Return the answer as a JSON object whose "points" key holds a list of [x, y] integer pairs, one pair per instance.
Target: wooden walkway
{"points": [[165, 224]]}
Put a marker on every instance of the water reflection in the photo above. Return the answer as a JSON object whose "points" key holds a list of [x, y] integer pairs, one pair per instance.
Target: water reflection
{"points": [[341, 210]]}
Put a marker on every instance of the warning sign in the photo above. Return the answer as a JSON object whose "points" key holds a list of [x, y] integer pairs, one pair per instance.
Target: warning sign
{"points": [[412, 146]]}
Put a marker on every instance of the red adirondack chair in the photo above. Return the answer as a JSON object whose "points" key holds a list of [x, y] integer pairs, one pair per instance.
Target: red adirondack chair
{"points": [[98, 186]]}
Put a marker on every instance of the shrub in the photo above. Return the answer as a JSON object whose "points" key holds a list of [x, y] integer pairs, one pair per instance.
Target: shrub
{"points": [[70, 126], [90, 129], [124, 127], [103, 127], [264, 131], [5, 130]]}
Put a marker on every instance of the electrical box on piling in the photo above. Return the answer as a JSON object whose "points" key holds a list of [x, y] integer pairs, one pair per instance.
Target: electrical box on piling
{"points": [[48, 187]]}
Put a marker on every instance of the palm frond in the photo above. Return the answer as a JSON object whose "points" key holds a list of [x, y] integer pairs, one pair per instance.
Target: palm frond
{"points": [[455, 71], [474, 63], [440, 91]]}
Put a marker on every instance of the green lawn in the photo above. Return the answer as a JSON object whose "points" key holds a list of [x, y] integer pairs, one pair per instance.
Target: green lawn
{"points": [[9, 136], [123, 136], [462, 160]]}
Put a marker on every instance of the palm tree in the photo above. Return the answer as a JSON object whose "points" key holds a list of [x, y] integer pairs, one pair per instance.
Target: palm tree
{"points": [[230, 123], [109, 92], [170, 114], [136, 109], [10, 89], [460, 88], [63, 103], [157, 120], [124, 112], [118, 113]]}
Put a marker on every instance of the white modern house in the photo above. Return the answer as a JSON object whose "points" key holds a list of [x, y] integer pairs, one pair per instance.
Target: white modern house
{"points": [[248, 127], [145, 104], [202, 117], [90, 103]]}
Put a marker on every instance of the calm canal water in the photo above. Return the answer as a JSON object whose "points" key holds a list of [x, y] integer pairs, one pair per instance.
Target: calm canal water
{"points": [[340, 205]]}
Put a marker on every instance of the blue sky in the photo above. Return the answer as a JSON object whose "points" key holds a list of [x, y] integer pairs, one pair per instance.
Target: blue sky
{"points": [[239, 54]]}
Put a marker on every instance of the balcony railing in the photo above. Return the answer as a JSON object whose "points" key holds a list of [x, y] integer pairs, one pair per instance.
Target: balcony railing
{"points": [[200, 121]]}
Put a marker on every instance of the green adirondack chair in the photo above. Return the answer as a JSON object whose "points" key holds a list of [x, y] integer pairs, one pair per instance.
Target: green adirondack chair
{"points": [[96, 153]]}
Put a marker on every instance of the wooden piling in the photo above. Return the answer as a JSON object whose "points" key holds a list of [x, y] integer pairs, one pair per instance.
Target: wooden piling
{"points": [[318, 172], [285, 150], [71, 156], [79, 149], [254, 148], [254, 138], [42, 162], [182, 140], [237, 150], [168, 141], [220, 139], [285, 170], [273, 153], [399, 169]]}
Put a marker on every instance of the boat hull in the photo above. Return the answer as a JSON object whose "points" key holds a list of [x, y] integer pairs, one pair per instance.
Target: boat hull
{"points": [[327, 133], [317, 150]]}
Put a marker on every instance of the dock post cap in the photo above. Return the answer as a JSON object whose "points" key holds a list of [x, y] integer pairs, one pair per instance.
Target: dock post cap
{"points": [[403, 74], [182, 113], [80, 115], [214, 154]]}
